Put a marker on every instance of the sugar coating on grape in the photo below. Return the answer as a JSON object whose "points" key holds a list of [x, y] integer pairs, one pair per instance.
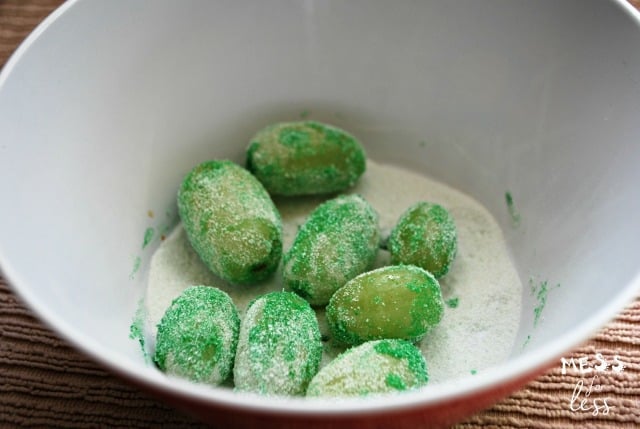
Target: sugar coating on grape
{"points": [[374, 367], [426, 236], [198, 335], [401, 301], [231, 221], [305, 158], [279, 348], [338, 241]]}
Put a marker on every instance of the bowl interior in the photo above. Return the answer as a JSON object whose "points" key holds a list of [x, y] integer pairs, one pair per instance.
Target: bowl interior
{"points": [[529, 107]]}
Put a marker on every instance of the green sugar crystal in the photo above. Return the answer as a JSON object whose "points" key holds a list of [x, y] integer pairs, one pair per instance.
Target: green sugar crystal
{"points": [[426, 236], [374, 367], [279, 348], [402, 301], [231, 222], [305, 158], [338, 241], [198, 335]]}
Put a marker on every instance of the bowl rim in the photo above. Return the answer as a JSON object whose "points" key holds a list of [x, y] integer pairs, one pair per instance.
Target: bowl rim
{"points": [[485, 380], [527, 363]]}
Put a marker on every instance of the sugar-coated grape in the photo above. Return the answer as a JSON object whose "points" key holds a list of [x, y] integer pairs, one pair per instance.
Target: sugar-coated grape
{"points": [[231, 221], [338, 241], [426, 236], [375, 367], [305, 158], [401, 301], [198, 335], [279, 348]]}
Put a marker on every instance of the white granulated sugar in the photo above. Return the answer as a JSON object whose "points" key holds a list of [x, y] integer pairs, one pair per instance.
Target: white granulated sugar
{"points": [[476, 334]]}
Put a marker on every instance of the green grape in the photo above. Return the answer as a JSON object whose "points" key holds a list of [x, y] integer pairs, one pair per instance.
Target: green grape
{"points": [[231, 222], [279, 347], [338, 241], [305, 158], [401, 301], [425, 235], [375, 367], [198, 335]]}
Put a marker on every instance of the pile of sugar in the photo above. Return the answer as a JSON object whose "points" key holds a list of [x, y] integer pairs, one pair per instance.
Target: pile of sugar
{"points": [[477, 332]]}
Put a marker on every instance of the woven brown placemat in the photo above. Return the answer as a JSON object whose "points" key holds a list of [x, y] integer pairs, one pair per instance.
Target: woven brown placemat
{"points": [[46, 383]]}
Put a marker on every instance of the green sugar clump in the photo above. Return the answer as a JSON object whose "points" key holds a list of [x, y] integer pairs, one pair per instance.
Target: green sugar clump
{"points": [[137, 331], [541, 293], [198, 335], [515, 216], [375, 367], [279, 348], [305, 158], [453, 302], [149, 233], [426, 236], [402, 301], [338, 241], [231, 222]]}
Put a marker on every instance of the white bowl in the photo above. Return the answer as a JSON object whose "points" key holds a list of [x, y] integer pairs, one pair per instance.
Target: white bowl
{"points": [[107, 104]]}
